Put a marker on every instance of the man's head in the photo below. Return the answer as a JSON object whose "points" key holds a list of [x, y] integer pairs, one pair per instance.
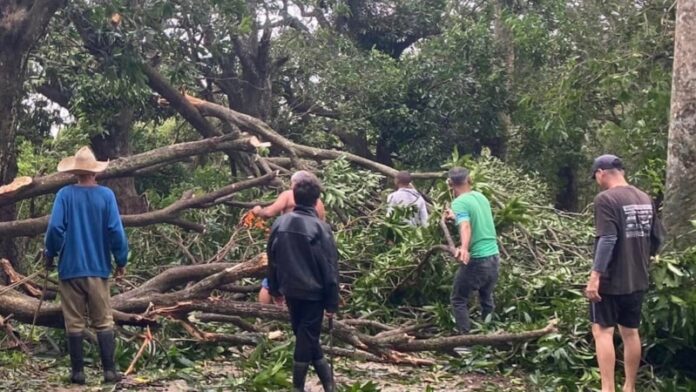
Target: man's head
{"points": [[607, 169], [298, 175], [306, 188], [458, 178], [83, 164], [402, 179]]}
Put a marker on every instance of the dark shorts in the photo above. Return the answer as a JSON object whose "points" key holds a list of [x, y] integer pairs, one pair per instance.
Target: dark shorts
{"points": [[623, 310]]}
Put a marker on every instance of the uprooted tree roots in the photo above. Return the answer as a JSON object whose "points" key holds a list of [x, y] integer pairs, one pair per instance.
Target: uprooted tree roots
{"points": [[186, 294]]}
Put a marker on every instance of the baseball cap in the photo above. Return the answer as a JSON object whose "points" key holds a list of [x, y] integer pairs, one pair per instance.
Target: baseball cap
{"points": [[606, 162]]}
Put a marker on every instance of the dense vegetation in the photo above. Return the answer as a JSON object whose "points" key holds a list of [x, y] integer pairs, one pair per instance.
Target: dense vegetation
{"points": [[524, 93]]}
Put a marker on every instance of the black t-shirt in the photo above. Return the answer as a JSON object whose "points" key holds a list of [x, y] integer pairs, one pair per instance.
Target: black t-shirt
{"points": [[627, 213]]}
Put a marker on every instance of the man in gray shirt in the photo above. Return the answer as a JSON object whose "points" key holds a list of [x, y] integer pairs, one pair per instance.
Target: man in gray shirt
{"points": [[628, 234], [407, 196]]}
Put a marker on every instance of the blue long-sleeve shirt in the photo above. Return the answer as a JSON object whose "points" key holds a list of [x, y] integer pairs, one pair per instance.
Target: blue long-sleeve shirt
{"points": [[85, 229]]}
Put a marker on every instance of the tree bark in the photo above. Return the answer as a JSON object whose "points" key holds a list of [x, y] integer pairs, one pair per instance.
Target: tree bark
{"points": [[567, 196], [115, 144], [263, 130], [22, 24], [134, 164], [506, 50], [154, 298], [680, 195], [169, 214]]}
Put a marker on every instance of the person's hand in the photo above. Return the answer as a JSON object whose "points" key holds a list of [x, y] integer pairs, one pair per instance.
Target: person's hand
{"points": [[48, 262], [256, 210], [120, 272], [463, 256], [279, 300], [330, 315], [449, 215], [592, 290]]}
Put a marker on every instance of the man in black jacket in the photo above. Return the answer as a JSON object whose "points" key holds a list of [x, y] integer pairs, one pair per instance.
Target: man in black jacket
{"points": [[303, 267]]}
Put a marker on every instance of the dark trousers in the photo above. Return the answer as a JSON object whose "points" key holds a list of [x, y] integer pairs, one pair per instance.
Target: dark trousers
{"points": [[479, 275], [306, 318]]}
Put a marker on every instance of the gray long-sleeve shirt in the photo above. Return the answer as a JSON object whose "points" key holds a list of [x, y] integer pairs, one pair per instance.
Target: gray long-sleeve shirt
{"points": [[405, 197]]}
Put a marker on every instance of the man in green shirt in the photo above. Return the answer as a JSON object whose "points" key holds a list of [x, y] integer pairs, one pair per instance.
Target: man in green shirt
{"points": [[478, 252]]}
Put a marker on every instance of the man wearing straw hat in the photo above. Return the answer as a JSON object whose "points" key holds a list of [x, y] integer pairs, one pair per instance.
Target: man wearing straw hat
{"points": [[84, 231]]}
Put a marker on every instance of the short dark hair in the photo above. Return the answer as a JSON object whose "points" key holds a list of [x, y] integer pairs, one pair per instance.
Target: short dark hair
{"points": [[458, 176], [403, 178], [306, 190]]}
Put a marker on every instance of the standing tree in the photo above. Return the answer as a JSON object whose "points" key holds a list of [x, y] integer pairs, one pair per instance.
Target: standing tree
{"points": [[22, 24], [680, 203]]}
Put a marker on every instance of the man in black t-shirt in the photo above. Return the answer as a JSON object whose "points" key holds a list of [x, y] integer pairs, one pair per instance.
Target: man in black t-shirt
{"points": [[628, 234]]}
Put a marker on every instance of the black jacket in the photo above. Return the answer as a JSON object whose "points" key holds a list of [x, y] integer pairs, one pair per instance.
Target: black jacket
{"points": [[303, 259]]}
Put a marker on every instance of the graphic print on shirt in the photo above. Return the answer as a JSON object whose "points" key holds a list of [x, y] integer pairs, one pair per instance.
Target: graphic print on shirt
{"points": [[639, 219]]}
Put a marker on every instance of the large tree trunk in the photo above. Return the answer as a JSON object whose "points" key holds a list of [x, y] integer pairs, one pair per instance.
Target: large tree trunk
{"points": [[506, 51], [567, 196], [22, 24], [680, 200], [116, 144], [10, 95], [384, 151]]}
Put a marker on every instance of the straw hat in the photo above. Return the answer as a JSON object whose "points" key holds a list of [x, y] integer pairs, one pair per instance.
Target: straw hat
{"points": [[84, 161]]}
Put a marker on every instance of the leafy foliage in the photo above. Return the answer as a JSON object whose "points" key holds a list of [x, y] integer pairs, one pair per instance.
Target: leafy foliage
{"points": [[403, 82]]}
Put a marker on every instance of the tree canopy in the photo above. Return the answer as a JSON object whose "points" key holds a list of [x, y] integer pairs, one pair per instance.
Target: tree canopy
{"points": [[205, 108]]}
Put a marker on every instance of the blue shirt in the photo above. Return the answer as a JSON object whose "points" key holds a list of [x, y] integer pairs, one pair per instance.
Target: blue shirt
{"points": [[85, 229]]}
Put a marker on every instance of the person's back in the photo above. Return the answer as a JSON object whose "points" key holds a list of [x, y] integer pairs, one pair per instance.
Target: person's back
{"points": [[628, 212], [297, 243], [84, 218], [284, 203], [475, 207], [409, 197], [303, 267], [478, 251], [84, 230]]}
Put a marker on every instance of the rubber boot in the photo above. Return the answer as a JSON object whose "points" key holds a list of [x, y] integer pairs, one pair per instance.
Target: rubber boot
{"points": [[77, 362], [299, 374], [325, 374], [107, 349]]}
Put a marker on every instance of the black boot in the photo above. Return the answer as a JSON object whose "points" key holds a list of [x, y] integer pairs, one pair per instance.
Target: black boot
{"points": [[299, 374], [77, 363], [107, 349], [325, 374]]}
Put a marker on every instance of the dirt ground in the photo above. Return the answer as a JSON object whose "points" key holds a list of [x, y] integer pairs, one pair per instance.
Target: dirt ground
{"points": [[44, 374]]}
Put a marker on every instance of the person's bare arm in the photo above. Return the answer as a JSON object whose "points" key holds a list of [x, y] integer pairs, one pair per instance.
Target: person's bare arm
{"points": [[321, 211], [465, 238], [274, 209]]}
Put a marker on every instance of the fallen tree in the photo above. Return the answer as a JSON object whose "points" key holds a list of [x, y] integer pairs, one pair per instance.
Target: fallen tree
{"points": [[169, 214], [128, 166], [294, 150], [186, 294], [193, 296]]}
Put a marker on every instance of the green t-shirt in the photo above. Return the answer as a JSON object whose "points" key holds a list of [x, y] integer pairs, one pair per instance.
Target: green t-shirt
{"points": [[473, 207]]}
